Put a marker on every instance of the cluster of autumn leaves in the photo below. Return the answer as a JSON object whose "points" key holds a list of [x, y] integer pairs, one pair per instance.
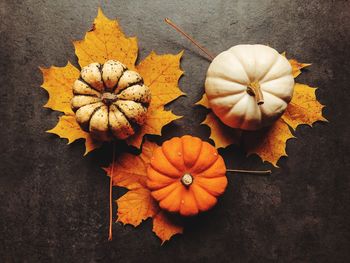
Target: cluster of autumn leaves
{"points": [[161, 74]]}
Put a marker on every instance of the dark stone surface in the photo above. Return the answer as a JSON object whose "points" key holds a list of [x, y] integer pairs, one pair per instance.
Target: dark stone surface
{"points": [[54, 202]]}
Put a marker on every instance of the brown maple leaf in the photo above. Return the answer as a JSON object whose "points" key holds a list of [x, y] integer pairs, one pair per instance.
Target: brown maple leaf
{"points": [[103, 42], [270, 143], [130, 171]]}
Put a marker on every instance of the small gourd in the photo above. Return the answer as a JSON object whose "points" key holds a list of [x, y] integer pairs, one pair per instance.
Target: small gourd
{"points": [[249, 86], [186, 175], [110, 100]]}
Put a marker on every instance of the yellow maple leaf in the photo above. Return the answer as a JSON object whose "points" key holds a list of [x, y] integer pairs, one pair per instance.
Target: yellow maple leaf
{"points": [[203, 102], [270, 143], [58, 82], [156, 119], [161, 74], [106, 41], [103, 42], [297, 66], [130, 171], [68, 128], [304, 107], [221, 134]]}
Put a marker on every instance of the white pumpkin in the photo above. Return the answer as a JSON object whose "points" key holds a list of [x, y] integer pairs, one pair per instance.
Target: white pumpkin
{"points": [[249, 86], [110, 100]]}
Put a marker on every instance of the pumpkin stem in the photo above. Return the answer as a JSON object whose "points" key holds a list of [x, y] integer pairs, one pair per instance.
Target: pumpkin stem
{"points": [[110, 233], [266, 172], [108, 98], [171, 23], [253, 89], [187, 179]]}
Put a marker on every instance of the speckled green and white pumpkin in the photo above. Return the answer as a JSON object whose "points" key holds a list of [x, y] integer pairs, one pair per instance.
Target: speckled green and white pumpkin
{"points": [[110, 100]]}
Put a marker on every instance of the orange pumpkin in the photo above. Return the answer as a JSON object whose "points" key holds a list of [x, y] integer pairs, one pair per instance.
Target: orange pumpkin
{"points": [[186, 175]]}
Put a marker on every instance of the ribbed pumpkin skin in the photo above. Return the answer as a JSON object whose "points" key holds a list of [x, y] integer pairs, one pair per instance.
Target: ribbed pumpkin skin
{"points": [[177, 157], [110, 101], [234, 70]]}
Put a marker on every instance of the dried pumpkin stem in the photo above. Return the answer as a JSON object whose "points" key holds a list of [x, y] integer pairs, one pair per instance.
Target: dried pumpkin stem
{"points": [[110, 233], [108, 98], [266, 172], [254, 89], [171, 23]]}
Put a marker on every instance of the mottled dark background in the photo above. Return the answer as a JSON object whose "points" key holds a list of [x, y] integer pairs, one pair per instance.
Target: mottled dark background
{"points": [[54, 202]]}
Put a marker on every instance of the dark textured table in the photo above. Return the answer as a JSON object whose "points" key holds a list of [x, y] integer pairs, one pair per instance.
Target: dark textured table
{"points": [[54, 202]]}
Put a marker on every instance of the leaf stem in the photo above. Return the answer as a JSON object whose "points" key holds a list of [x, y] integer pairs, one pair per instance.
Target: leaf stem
{"points": [[171, 23], [266, 172], [110, 232]]}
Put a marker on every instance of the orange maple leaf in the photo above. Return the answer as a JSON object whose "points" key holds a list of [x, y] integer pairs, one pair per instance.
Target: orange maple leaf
{"points": [[164, 226], [103, 42], [270, 143], [130, 171]]}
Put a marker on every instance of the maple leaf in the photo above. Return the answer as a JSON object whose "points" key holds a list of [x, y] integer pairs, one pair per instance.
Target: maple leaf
{"points": [[203, 102], [270, 143], [106, 41], [130, 171], [68, 128], [221, 134], [161, 74], [103, 42], [136, 206], [164, 227], [304, 107], [58, 82], [297, 66]]}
